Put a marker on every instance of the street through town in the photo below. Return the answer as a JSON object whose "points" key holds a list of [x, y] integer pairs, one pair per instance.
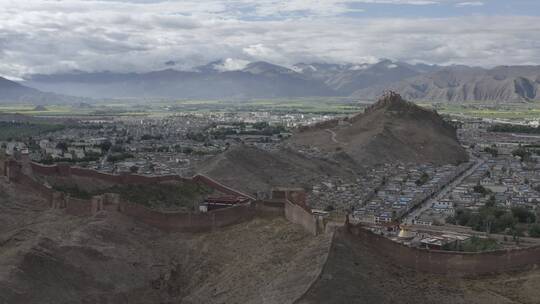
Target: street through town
{"points": [[415, 213]]}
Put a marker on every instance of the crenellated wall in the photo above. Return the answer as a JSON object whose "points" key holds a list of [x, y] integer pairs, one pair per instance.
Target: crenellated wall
{"points": [[14, 173], [3, 162], [296, 209], [86, 179], [90, 180], [298, 215], [449, 263], [269, 208], [188, 222]]}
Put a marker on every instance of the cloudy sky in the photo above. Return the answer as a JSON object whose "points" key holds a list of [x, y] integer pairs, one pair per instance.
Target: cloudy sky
{"points": [[140, 35]]}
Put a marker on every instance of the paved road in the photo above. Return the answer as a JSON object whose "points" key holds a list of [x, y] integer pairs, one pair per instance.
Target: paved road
{"points": [[416, 212]]}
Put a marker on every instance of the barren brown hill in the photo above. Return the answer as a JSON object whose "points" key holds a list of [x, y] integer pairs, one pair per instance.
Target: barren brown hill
{"points": [[391, 130], [253, 170]]}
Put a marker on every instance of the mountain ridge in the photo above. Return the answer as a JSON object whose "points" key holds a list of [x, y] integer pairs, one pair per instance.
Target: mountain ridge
{"points": [[259, 79], [466, 84], [13, 92]]}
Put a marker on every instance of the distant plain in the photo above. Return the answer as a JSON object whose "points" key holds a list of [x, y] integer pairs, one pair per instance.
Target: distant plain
{"points": [[308, 105]]}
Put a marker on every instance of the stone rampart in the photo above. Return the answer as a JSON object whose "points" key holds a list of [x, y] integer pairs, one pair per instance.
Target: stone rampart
{"points": [[78, 207], [90, 180], [199, 178], [86, 178], [269, 208], [449, 263], [295, 208], [188, 222], [298, 215]]}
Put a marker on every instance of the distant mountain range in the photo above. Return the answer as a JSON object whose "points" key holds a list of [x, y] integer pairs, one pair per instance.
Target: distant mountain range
{"points": [[256, 80], [13, 92], [419, 82], [461, 83]]}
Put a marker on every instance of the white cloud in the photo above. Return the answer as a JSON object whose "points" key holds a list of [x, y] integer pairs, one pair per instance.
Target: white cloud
{"points": [[470, 3], [231, 64], [40, 36]]}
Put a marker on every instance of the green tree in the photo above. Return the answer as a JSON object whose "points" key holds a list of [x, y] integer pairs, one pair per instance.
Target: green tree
{"points": [[491, 150], [534, 231], [522, 153], [523, 215], [491, 201], [62, 146], [105, 146], [423, 179]]}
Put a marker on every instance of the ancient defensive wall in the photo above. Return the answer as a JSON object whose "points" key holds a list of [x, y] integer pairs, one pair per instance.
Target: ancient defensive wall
{"points": [[296, 209], [90, 180], [287, 202], [449, 263]]}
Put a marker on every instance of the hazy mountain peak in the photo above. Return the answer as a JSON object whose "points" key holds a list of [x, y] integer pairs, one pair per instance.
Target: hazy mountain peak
{"points": [[12, 92], [6, 83], [222, 65], [263, 67], [455, 83], [358, 67]]}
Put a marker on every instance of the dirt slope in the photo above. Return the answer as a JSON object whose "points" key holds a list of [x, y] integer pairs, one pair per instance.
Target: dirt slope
{"points": [[355, 274], [49, 257], [253, 170]]}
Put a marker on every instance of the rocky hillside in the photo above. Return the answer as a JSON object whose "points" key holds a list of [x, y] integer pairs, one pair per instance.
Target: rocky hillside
{"points": [[348, 78], [391, 130], [462, 84]]}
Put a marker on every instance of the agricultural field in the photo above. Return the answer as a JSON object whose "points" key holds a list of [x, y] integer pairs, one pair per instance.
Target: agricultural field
{"points": [[299, 105], [519, 111], [138, 108], [314, 105], [19, 130], [75, 110]]}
